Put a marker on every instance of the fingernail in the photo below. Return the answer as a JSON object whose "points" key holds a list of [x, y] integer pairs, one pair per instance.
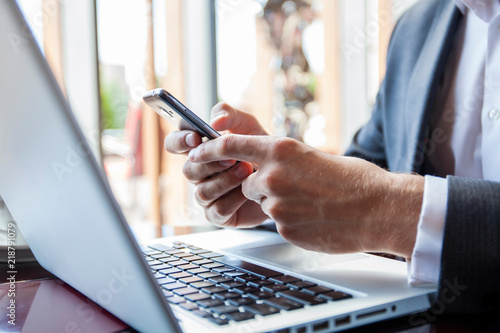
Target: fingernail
{"points": [[190, 141], [218, 116], [241, 171], [192, 154], [227, 163]]}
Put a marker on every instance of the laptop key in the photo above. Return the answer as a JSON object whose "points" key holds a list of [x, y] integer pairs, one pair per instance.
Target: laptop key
{"points": [[302, 297], [175, 285], [223, 269], [259, 283], [165, 280], [197, 297], [193, 258], [275, 287], [167, 293], [261, 295], [223, 309], [233, 274], [178, 263], [169, 259], [188, 266], [201, 284], [185, 291], [219, 279], [212, 265], [227, 295], [176, 299], [247, 278], [261, 309], [168, 271], [241, 301], [191, 279], [248, 267], [210, 255], [240, 316], [213, 290], [183, 255], [246, 289], [160, 256], [174, 251], [208, 275], [335, 295], [180, 275], [199, 251], [201, 313], [232, 284], [285, 279], [189, 306], [160, 266], [283, 303], [302, 284], [198, 270], [209, 302], [218, 321], [150, 252], [202, 262], [317, 290]]}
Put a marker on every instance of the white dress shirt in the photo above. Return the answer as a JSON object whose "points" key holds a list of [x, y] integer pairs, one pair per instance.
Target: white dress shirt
{"points": [[465, 137]]}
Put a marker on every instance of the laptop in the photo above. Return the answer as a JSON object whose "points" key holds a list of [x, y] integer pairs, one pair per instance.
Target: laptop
{"points": [[224, 280]]}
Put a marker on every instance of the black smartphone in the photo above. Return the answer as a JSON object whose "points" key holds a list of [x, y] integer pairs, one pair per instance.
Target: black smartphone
{"points": [[169, 108]]}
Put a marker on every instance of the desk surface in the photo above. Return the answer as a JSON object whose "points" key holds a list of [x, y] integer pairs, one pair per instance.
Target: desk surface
{"points": [[47, 304]]}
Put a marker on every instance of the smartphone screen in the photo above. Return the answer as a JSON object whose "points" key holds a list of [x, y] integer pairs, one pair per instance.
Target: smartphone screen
{"points": [[171, 109]]}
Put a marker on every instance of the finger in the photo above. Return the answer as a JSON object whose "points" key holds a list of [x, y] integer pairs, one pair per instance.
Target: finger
{"points": [[196, 172], [224, 117], [222, 211], [216, 187], [253, 188], [180, 142], [252, 149]]}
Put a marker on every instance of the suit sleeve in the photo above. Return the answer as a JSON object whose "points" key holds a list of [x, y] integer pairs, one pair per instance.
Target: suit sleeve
{"points": [[470, 261], [368, 143]]}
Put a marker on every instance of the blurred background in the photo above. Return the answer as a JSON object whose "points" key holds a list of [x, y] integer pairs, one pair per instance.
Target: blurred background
{"points": [[308, 69]]}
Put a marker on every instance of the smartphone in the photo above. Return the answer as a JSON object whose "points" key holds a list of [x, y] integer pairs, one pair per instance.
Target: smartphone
{"points": [[169, 108]]}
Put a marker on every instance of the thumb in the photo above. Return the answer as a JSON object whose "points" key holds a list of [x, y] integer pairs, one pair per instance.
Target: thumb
{"points": [[227, 118]]}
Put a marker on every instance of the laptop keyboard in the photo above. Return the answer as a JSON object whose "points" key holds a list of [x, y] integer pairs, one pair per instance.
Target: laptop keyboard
{"points": [[225, 289]]}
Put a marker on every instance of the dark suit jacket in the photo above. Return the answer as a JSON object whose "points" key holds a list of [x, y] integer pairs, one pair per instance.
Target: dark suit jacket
{"points": [[395, 138]]}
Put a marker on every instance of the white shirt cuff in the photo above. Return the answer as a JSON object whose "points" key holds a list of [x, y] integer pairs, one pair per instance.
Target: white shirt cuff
{"points": [[425, 262]]}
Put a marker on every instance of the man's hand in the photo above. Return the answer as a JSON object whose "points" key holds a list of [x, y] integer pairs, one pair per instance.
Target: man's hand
{"points": [[323, 202], [218, 183]]}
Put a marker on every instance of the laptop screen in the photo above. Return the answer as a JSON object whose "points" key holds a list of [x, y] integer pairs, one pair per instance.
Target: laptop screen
{"points": [[56, 192]]}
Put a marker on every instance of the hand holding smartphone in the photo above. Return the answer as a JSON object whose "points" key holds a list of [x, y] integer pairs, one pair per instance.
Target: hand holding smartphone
{"points": [[169, 108]]}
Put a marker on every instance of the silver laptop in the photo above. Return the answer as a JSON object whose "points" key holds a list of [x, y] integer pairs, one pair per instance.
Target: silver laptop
{"points": [[226, 280]]}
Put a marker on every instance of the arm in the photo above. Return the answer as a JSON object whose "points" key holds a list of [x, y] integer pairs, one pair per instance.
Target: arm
{"points": [[323, 202]]}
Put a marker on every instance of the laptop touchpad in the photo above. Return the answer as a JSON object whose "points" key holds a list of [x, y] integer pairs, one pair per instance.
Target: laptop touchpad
{"points": [[297, 259]]}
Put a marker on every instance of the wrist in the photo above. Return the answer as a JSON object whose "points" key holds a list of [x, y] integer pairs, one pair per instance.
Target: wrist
{"points": [[393, 227], [408, 192]]}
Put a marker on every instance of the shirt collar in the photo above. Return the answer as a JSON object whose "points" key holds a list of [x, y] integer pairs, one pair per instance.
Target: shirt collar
{"points": [[486, 10]]}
